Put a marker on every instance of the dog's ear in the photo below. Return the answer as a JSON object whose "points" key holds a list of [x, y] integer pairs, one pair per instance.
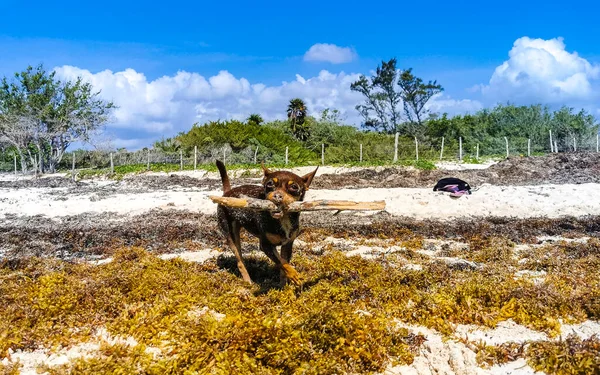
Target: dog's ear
{"points": [[307, 178], [266, 171]]}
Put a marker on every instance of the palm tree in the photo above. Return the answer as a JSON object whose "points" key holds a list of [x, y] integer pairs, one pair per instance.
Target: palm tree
{"points": [[296, 113], [255, 118]]}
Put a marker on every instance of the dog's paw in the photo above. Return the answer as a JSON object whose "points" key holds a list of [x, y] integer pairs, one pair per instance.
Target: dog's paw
{"points": [[292, 274]]}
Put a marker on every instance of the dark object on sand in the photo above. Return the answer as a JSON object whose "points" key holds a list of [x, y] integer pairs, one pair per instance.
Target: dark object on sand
{"points": [[455, 186]]}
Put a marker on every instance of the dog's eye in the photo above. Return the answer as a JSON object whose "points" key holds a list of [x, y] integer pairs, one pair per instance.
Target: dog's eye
{"points": [[270, 184], [294, 187]]}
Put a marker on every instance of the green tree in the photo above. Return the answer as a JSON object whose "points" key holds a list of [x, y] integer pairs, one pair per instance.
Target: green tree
{"points": [[168, 145], [332, 115], [386, 92], [244, 138], [255, 118], [380, 110], [415, 94], [296, 113], [41, 116]]}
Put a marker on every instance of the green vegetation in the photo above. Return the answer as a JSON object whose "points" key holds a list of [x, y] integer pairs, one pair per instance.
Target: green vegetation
{"points": [[341, 320], [518, 123], [485, 129], [255, 118], [296, 113], [243, 139], [161, 304], [570, 356], [40, 116]]}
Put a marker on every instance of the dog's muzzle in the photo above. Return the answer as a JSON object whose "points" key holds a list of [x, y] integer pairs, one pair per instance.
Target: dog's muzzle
{"points": [[277, 198]]}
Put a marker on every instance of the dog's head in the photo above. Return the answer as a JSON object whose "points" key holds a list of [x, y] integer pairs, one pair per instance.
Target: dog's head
{"points": [[283, 188]]}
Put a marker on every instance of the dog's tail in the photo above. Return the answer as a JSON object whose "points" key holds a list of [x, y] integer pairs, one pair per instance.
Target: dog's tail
{"points": [[224, 177]]}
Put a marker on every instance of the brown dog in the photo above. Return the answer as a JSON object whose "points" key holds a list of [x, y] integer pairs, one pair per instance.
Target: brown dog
{"points": [[272, 228]]}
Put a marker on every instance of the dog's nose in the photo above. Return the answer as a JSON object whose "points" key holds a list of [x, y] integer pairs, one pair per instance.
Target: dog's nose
{"points": [[277, 197]]}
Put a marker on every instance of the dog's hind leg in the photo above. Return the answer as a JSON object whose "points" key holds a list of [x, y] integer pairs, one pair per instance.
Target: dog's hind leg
{"points": [[233, 238], [285, 267], [231, 230]]}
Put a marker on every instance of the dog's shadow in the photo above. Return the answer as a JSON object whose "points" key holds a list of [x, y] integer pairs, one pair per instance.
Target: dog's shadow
{"points": [[262, 272]]}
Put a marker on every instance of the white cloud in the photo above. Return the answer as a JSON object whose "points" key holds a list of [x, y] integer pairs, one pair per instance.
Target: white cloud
{"points": [[174, 103], [543, 71], [170, 104], [442, 103], [330, 53]]}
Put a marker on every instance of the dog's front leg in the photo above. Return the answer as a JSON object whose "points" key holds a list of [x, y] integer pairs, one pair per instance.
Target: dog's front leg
{"points": [[282, 263], [286, 254]]}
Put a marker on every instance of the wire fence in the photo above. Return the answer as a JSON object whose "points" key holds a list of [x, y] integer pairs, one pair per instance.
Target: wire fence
{"points": [[397, 150]]}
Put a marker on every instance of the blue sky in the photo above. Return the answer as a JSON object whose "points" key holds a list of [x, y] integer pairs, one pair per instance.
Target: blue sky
{"points": [[250, 48]]}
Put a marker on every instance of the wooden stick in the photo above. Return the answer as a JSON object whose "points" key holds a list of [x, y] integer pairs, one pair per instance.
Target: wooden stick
{"points": [[318, 205]]}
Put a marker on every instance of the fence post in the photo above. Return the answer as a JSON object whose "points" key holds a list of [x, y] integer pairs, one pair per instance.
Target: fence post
{"points": [[181, 160], [148, 161], [15, 157], [322, 153], [442, 150], [597, 136], [506, 140], [460, 148], [396, 148], [417, 148], [529, 147], [286, 155], [555, 146], [223, 154], [255, 154], [551, 146], [35, 163], [477, 152], [73, 168], [361, 152], [112, 164], [195, 156], [574, 145]]}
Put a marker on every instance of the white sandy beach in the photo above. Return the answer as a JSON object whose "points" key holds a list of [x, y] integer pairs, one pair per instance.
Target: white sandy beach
{"points": [[420, 203]]}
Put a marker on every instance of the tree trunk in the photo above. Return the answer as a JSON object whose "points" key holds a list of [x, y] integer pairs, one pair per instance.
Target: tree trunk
{"points": [[23, 160], [32, 159], [40, 157]]}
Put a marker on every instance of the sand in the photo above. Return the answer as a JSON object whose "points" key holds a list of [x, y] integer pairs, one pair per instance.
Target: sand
{"points": [[551, 201]]}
